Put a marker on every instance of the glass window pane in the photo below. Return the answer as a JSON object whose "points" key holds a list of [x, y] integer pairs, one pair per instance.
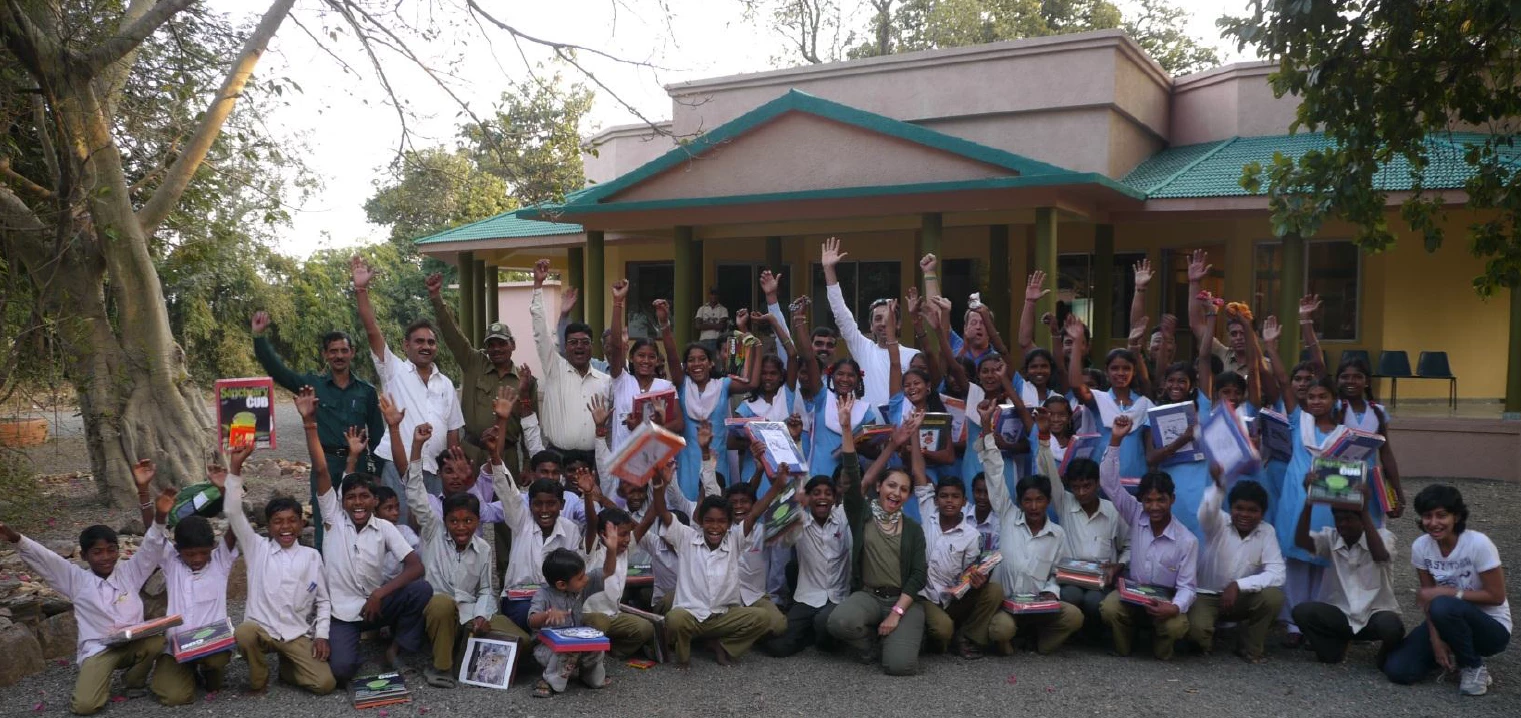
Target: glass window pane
{"points": [[875, 280], [1074, 286], [735, 282], [846, 273], [1333, 274]]}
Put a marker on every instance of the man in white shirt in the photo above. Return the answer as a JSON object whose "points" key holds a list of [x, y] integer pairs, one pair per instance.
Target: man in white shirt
{"points": [[1356, 598], [712, 319], [287, 610], [415, 384], [570, 381], [870, 353], [1241, 569]]}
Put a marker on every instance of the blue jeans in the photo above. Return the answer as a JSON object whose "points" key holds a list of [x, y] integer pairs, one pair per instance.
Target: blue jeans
{"points": [[516, 610], [401, 611], [1470, 633]]}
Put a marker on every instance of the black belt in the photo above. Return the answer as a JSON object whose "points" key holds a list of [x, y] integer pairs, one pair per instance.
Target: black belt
{"points": [[340, 451], [886, 592]]}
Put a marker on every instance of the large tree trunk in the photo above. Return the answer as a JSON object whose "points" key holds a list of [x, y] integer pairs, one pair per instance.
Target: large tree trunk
{"points": [[136, 395]]}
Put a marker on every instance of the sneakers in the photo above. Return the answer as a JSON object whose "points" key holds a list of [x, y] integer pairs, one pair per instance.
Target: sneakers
{"points": [[1474, 681]]}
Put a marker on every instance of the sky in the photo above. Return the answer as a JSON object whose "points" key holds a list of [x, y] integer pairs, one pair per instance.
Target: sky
{"points": [[350, 131]]}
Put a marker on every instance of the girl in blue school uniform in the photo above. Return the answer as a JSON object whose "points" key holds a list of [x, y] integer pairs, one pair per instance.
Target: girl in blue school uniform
{"points": [[992, 385], [1314, 428], [1189, 477], [772, 400], [1126, 395], [1359, 410], [704, 396]]}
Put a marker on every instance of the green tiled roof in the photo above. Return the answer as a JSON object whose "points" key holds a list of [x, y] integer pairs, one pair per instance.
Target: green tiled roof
{"points": [[504, 225], [1213, 169]]}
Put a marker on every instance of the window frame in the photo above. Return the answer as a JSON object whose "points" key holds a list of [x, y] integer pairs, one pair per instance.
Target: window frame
{"points": [[818, 293], [1357, 323]]}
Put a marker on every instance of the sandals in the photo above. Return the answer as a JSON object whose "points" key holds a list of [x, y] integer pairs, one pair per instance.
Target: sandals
{"points": [[438, 679], [542, 689]]}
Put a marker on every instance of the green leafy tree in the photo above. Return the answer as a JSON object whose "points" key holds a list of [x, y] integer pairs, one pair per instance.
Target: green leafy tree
{"points": [[1378, 79], [436, 189], [533, 140], [1157, 26]]}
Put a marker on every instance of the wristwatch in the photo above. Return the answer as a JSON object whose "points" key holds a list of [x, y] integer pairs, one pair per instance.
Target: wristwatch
{"points": [[897, 609]]}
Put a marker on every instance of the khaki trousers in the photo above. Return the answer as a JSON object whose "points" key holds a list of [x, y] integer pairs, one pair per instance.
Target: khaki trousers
{"points": [[297, 665], [93, 687]]}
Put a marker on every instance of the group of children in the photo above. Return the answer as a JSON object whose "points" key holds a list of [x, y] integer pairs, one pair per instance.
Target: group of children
{"points": [[903, 546]]}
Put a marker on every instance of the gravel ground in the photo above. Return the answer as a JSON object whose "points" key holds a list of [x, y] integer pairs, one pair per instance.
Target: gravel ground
{"points": [[1079, 680]]}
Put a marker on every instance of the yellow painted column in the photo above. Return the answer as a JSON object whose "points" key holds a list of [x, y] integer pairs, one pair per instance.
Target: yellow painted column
{"points": [[1292, 281], [595, 290], [467, 291], [1513, 378], [686, 285], [1046, 248], [1000, 276]]}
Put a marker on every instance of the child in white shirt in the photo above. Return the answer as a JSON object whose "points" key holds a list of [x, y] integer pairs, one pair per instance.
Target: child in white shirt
{"points": [[1356, 598], [196, 576]]}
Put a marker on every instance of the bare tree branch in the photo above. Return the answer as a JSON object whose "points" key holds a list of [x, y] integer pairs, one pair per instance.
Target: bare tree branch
{"points": [[44, 135], [21, 182], [183, 169], [132, 34]]}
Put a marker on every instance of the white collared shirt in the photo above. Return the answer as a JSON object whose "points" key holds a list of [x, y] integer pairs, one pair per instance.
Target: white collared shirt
{"points": [[823, 559], [562, 413], [1356, 584], [1102, 536], [198, 597], [101, 605], [525, 565], [753, 565], [353, 556], [664, 563], [707, 580], [606, 601], [1029, 560], [464, 575], [1253, 562], [948, 553], [287, 593], [434, 402]]}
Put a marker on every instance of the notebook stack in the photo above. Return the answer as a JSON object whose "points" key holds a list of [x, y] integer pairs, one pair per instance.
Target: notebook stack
{"points": [[1028, 603], [521, 593], [383, 689], [200, 642], [155, 627], [574, 639], [984, 567], [786, 514], [868, 433], [1143, 595], [1084, 574]]}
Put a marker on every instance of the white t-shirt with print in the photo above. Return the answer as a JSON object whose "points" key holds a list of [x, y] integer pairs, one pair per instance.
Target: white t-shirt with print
{"points": [[1474, 554]]}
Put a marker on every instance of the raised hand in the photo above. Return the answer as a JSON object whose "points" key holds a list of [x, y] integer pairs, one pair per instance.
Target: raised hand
{"points": [[831, 254], [799, 309], [704, 434], [1042, 419], [845, 404], [142, 474], [1075, 328], [1308, 305], [260, 322], [390, 412], [217, 475], [165, 501], [306, 404], [1271, 330], [1035, 289], [357, 437], [1169, 325], [435, 284], [928, 262], [620, 290], [361, 272], [540, 273], [240, 454], [1143, 273], [662, 312], [600, 409], [568, 297], [1198, 266], [456, 458], [1138, 329], [506, 400], [770, 284], [1122, 426], [491, 439], [422, 433], [913, 301]]}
